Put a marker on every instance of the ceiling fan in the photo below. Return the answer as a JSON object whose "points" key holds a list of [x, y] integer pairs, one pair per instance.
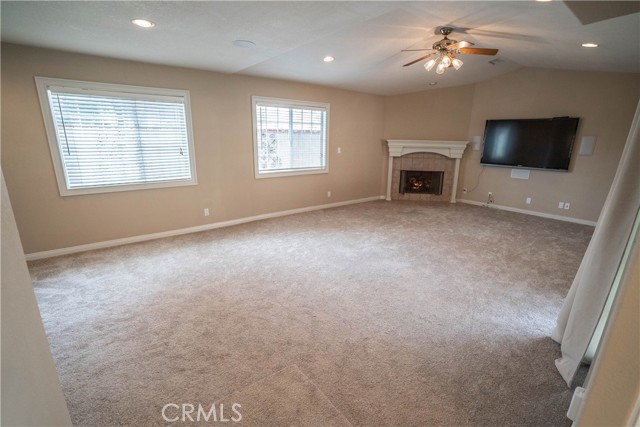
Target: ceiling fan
{"points": [[444, 52]]}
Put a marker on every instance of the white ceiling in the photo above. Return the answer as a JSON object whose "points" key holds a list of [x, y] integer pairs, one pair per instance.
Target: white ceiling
{"points": [[366, 38]]}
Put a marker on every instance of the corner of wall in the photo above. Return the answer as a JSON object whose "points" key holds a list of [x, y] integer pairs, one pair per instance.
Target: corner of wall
{"points": [[31, 391]]}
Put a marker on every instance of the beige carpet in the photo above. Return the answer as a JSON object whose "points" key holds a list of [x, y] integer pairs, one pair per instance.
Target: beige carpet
{"points": [[286, 398], [379, 314]]}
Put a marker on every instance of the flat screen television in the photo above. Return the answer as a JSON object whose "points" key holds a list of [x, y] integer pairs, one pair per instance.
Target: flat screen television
{"points": [[530, 143]]}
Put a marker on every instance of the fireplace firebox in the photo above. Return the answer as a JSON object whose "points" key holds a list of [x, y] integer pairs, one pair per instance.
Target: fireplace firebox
{"points": [[421, 182]]}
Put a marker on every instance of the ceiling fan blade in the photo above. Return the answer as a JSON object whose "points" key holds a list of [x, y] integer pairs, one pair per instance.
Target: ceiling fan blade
{"points": [[417, 60], [477, 51], [414, 50], [459, 45]]}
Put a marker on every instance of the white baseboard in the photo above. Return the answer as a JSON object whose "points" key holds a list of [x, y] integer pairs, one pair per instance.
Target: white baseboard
{"points": [[136, 239], [142, 238], [528, 212]]}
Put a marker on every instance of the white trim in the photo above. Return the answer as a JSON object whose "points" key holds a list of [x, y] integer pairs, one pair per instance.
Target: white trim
{"points": [[289, 103], [153, 236], [576, 404], [44, 84], [452, 149], [634, 419], [528, 212]]}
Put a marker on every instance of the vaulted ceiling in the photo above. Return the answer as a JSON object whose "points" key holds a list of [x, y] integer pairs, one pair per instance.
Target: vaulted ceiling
{"points": [[365, 38]]}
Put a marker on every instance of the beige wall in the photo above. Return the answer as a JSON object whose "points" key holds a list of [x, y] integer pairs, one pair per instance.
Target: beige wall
{"points": [[31, 393], [605, 103], [441, 114], [221, 115]]}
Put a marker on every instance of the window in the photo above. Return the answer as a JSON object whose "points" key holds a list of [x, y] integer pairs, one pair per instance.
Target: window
{"points": [[290, 137], [107, 137]]}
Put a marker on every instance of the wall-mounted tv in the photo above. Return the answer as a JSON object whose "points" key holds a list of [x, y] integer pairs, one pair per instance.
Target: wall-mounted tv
{"points": [[530, 143]]}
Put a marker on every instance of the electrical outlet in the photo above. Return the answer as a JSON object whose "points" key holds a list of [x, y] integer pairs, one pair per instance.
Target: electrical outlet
{"points": [[464, 190], [339, 150], [566, 205], [328, 193], [206, 211], [528, 200], [561, 205], [490, 198]]}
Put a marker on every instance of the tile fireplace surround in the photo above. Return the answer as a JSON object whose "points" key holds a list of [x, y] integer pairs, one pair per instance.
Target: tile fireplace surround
{"points": [[402, 147]]}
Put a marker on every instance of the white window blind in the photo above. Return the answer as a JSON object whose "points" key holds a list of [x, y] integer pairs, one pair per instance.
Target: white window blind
{"points": [[114, 137], [290, 137]]}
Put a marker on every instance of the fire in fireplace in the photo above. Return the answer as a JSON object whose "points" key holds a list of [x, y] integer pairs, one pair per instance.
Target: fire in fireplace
{"points": [[421, 182]]}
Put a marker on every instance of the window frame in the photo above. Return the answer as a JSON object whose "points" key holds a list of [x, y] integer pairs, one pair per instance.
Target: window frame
{"points": [[288, 103], [111, 89]]}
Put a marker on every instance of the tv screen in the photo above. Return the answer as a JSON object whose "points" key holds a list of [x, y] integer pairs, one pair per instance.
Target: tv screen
{"points": [[530, 143]]}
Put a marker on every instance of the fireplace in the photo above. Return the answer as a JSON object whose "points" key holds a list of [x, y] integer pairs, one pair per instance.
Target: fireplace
{"points": [[421, 182], [424, 155]]}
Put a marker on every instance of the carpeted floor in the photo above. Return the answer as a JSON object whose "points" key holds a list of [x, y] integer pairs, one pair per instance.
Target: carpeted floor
{"points": [[378, 314]]}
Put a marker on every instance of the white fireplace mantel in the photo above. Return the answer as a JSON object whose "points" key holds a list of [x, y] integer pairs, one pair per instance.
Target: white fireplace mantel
{"points": [[452, 149]]}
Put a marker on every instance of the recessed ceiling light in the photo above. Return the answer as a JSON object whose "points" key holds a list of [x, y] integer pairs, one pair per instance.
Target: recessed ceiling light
{"points": [[433, 83], [245, 44], [144, 23], [590, 45], [328, 59]]}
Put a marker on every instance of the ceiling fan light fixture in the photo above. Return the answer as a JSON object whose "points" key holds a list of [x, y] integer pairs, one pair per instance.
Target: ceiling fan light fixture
{"points": [[429, 65], [443, 53]]}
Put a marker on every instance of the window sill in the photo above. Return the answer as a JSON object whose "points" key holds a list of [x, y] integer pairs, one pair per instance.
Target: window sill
{"points": [[290, 172], [121, 188]]}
